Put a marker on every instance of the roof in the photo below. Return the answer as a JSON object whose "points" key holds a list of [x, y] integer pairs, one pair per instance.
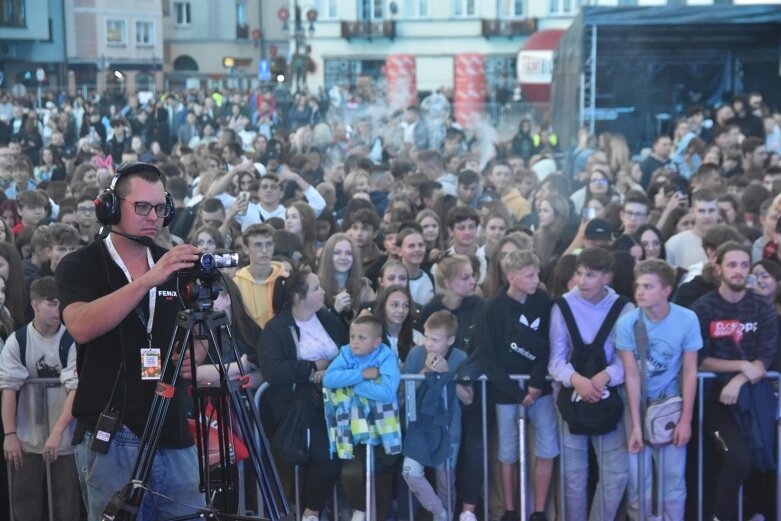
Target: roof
{"points": [[682, 15]]}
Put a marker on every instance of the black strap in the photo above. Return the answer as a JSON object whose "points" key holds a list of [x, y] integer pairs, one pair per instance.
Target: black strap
{"points": [[66, 340], [605, 328], [610, 321], [572, 325]]}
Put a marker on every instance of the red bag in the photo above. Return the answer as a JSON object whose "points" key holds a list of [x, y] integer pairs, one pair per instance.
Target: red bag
{"points": [[209, 421]]}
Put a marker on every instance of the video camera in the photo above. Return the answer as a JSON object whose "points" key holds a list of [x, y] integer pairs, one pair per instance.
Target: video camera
{"points": [[196, 284]]}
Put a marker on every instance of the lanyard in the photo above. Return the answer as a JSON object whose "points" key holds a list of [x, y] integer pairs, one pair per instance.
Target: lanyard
{"points": [[152, 301]]}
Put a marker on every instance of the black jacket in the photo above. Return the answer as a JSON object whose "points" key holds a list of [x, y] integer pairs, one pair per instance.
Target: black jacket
{"points": [[512, 338], [278, 358]]}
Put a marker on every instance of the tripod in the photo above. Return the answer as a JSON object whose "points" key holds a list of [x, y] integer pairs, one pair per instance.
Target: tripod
{"points": [[233, 401]]}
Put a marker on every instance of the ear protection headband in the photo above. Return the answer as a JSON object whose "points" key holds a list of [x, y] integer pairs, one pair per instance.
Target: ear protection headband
{"points": [[107, 203]]}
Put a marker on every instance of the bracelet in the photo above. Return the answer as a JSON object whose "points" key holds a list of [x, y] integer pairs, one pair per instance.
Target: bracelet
{"points": [[9, 433]]}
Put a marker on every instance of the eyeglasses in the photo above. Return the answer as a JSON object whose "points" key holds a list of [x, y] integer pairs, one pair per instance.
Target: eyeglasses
{"points": [[143, 208], [599, 181], [635, 215], [269, 187], [262, 245], [86, 210]]}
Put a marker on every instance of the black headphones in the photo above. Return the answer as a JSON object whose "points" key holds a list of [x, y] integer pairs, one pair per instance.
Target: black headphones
{"points": [[107, 202]]}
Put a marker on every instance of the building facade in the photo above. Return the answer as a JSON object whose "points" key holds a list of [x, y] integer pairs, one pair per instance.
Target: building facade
{"points": [[32, 37], [114, 45], [220, 41]]}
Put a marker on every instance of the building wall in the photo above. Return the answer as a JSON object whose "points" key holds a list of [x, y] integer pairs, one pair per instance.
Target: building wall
{"points": [[212, 35], [437, 37], [88, 32]]}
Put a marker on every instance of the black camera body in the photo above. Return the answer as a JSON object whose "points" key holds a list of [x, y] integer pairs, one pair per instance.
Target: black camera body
{"points": [[196, 284]]}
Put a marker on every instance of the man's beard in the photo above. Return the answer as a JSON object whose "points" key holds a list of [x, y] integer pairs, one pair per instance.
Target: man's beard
{"points": [[736, 287]]}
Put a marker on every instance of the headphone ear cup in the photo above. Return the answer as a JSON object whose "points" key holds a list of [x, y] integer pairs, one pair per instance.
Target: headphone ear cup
{"points": [[169, 203], [107, 208]]}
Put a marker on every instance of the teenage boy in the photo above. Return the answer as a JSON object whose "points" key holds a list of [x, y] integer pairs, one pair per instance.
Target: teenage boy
{"points": [[38, 264], [590, 303], [513, 337], [256, 281], [412, 252], [270, 195], [500, 175], [363, 226], [440, 358], [85, 218], [32, 208], [634, 213], [41, 349], [63, 239], [468, 188], [22, 175], [462, 223], [740, 339], [673, 339], [685, 248]]}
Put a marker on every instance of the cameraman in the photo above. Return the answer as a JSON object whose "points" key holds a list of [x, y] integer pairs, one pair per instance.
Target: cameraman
{"points": [[118, 299]]}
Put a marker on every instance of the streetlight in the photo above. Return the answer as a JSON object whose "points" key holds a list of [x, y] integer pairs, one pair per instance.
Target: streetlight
{"points": [[300, 60]]}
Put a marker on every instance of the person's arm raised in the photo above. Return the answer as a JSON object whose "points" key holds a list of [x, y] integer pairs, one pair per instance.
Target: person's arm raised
{"points": [[88, 320]]}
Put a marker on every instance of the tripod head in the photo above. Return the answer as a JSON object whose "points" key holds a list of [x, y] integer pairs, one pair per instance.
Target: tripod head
{"points": [[196, 284]]}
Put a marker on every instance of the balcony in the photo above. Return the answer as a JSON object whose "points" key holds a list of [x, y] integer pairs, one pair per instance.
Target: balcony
{"points": [[509, 28], [369, 29]]}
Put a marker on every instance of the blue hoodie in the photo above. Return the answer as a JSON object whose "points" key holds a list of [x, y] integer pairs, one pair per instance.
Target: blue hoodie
{"points": [[346, 370]]}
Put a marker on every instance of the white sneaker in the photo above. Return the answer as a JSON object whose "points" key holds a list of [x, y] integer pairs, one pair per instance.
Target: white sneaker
{"points": [[466, 516], [358, 515]]}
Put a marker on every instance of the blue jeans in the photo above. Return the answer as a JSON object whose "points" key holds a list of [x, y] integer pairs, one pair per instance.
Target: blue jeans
{"points": [[672, 462], [613, 473], [172, 486]]}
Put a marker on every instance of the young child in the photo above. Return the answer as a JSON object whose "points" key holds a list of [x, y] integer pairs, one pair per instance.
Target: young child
{"points": [[361, 404], [438, 359], [513, 335], [41, 349]]}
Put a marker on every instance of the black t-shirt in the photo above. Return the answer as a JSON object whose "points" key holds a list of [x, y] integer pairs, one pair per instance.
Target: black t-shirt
{"points": [[84, 276]]}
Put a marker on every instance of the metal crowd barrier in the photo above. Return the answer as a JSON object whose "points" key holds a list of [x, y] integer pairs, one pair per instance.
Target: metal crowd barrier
{"points": [[45, 383], [410, 411], [409, 382]]}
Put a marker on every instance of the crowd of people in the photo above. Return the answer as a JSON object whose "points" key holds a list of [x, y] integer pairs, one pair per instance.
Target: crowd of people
{"points": [[376, 242]]}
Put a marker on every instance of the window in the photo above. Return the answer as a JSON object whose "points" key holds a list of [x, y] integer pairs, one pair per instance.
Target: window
{"points": [[145, 34], [417, 9], [242, 28], [370, 9], [463, 8], [511, 8], [115, 32], [327, 9], [183, 14], [563, 7], [12, 13]]}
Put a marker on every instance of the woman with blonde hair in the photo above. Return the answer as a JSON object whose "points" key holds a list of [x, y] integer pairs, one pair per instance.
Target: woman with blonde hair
{"points": [[554, 216], [357, 181], [456, 284], [341, 277]]}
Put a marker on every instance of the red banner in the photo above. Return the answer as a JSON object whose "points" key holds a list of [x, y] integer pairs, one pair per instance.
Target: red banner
{"points": [[469, 89]]}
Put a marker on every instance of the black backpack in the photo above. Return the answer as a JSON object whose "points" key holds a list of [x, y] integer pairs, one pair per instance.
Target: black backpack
{"points": [[583, 417]]}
